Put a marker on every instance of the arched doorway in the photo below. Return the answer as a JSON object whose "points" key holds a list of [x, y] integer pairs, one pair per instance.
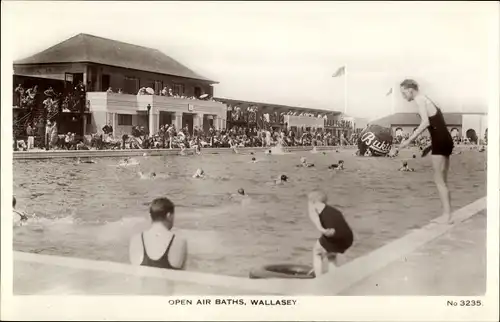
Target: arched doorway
{"points": [[471, 135]]}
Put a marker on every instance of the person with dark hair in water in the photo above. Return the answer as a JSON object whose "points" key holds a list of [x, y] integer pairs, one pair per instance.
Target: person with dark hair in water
{"points": [[22, 216], [158, 246], [441, 141]]}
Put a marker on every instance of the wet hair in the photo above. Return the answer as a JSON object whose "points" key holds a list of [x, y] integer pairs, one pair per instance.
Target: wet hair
{"points": [[13, 201], [160, 208], [241, 191], [251, 153], [284, 177], [409, 83], [414, 156], [405, 163], [269, 151], [153, 174], [341, 161], [253, 159], [317, 196]]}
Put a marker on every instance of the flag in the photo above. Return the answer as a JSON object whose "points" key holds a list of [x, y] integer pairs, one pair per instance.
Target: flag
{"points": [[389, 92], [339, 72]]}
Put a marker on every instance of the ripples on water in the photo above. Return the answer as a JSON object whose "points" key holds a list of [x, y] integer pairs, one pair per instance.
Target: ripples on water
{"points": [[91, 210]]}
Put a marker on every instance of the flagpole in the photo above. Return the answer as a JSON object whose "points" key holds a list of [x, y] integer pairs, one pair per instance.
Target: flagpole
{"points": [[393, 100], [345, 89]]}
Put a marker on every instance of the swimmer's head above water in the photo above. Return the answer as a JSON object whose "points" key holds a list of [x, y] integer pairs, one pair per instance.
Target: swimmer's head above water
{"points": [[241, 191], [162, 211], [284, 177], [199, 173]]}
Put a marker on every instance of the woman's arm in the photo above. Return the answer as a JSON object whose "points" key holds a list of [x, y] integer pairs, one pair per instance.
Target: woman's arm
{"points": [[136, 251], [178, 257], [424, 123]]}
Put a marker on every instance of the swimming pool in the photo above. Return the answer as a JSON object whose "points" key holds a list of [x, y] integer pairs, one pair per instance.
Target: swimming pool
{"points": [[91, 210]]}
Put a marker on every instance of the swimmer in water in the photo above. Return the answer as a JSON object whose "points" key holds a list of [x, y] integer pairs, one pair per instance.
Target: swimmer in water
{"points": [[339, 166], [22, 216], [254, 160], [128, 161], [268, 152], [304, 163], [147, 175], [405, 167], [282, 179], [79, 161], [199, 174]]}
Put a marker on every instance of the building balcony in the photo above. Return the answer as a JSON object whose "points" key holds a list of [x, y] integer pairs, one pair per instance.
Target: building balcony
{"points": [[132, 104], [123, 111]]}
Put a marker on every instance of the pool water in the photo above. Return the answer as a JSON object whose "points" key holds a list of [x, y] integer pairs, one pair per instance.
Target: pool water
{"points": [[91, 210]]}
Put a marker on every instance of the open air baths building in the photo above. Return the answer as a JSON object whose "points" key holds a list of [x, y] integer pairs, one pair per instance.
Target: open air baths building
{"points": [[103, 63]]}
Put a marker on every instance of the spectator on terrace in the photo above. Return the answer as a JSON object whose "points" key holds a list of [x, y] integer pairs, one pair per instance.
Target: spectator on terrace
{"points": [[31, 92], [53, 135], [30, 132], [48, 128], [19, 95], [142, 91], [110, 90], [164, 91], [120, 91], [107, 129]]}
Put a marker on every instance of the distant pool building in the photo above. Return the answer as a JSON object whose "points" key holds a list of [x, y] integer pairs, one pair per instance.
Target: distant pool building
{"points": [[102, 63]]}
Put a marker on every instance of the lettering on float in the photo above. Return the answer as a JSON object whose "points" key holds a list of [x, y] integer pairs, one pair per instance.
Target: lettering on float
{"points": [[371, 141]]}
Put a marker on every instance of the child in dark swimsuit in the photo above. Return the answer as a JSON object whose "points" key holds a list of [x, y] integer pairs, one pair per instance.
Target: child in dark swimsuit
{"points": [[336, 235]]}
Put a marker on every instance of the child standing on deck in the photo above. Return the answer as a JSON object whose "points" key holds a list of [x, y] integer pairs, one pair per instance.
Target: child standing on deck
{"points": [[336, 235]]}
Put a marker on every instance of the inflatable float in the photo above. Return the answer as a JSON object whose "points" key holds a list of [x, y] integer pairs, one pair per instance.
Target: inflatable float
{"points": [[282, 271], [375, 138]]}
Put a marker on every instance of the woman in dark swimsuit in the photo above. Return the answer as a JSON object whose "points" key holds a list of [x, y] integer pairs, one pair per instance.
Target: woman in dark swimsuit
{"points": [[158, 246], [441, 140]]}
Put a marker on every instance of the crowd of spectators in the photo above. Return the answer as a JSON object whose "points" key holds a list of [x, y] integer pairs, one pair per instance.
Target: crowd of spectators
{"points": [[169, 137], [166, 91]]}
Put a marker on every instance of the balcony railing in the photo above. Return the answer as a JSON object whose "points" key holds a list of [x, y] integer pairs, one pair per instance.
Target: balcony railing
{"points": [[130, 104]]}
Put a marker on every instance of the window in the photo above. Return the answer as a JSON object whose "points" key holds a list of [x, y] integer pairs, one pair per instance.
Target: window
{"points": [[158, 87], [131, 85], [105, 82], [178, 89], [124, 119], [197, 92]]}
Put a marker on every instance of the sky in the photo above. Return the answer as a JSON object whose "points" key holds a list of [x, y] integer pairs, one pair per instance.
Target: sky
{"points": [[286, 52]]}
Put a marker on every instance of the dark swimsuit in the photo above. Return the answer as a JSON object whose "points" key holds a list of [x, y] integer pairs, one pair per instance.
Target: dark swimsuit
{"points": [[162, 262], [441, 140], [343, 237]]}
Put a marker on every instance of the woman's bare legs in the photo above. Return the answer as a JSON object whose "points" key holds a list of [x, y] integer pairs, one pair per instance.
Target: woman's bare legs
{"points": [[441, 165]]}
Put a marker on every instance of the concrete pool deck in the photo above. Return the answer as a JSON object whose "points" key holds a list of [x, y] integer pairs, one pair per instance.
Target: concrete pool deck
{"points": [[427, 261]]}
